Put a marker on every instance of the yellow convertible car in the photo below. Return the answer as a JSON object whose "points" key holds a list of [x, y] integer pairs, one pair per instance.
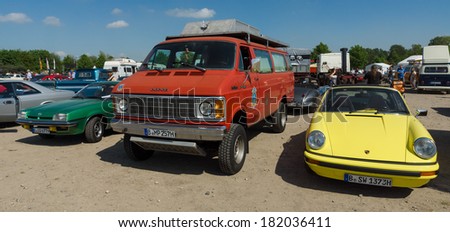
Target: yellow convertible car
{"points": [[367, 135]]}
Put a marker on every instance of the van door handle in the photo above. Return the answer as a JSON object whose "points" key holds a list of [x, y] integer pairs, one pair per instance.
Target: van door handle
{"points": [[9, 102]]}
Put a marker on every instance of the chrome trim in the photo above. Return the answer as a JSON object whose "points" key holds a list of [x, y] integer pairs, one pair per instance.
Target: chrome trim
{"points": [[46, 123], [155, 144], [182, 131]]}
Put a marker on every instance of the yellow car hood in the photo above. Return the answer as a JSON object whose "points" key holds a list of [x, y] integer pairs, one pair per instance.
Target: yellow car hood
{"points": [[367, 135]]}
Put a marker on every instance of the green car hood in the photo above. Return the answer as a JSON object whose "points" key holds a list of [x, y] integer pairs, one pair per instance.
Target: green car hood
{"points": [[75, 108]]}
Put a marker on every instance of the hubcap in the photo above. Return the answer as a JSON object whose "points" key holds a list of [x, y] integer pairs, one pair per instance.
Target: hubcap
{"points": [[239, 149], [98, 130]]}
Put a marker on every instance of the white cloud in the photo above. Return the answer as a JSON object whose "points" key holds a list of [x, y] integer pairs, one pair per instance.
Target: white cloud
{"points": [[52, 21], [15, 18], [191, 13], [117, 24], [116, 11], [61, 53]]}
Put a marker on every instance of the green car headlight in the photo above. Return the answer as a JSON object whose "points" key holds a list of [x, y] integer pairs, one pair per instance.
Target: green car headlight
{"points": [[425, 148], [316, 139], [22, 115], [60, 117]]}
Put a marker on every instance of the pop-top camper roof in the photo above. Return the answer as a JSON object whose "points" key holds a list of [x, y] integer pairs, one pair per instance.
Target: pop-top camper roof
{"points": [[436, 54], [229, 27]]}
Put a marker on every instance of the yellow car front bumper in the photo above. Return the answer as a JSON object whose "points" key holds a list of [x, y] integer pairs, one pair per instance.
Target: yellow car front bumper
{"points": [[397, 174]]}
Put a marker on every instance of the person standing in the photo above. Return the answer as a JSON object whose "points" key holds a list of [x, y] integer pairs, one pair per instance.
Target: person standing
{"points": [[390, 74], [373, 77], [412, 78], [400, 73], [333, 77], [29, 75]]}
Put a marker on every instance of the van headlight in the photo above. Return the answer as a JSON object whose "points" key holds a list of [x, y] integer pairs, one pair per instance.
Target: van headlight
{"points": [[60, 117], [211, 108], [122, 105], [316, 139], [425, 148]]}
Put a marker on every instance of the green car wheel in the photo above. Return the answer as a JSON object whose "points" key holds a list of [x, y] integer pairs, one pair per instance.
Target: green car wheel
{"points": [[94, 130]]}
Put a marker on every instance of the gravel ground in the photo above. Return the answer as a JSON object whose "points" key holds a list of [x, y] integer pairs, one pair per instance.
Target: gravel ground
{"points": [[66, 174]]}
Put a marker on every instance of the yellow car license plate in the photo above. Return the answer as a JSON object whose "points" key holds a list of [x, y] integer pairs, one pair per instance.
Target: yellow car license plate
{"points": [[369, 180]]}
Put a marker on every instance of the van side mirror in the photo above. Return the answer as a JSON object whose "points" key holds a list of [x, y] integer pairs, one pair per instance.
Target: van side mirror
{"points": [[421, 112]]}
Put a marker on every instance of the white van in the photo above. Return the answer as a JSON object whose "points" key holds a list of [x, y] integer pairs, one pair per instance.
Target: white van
{"points": [[122, 67], [435, 71]]}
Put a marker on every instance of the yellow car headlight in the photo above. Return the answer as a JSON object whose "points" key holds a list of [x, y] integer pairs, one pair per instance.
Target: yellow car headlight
{"points": [[316, 139], [425, 148]]}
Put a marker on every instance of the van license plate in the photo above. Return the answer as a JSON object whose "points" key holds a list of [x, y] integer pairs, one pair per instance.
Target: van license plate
{"points": [[369, 180], [41, 130], [435, 82], [159, 133]]}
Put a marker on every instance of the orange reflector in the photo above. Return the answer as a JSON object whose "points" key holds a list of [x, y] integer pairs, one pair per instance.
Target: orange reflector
{"points": [[311, 161], [26, 126], [427, 173], [52, 128]]}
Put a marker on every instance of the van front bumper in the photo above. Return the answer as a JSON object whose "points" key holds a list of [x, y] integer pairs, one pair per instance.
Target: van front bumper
{"points": [[181, 131]]}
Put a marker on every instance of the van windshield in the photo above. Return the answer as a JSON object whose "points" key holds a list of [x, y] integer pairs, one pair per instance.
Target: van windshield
{"points": [[201, 55]]}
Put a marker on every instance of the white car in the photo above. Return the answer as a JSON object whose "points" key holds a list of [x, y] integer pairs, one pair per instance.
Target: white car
{"points": [[18, 95], [13, 77]]}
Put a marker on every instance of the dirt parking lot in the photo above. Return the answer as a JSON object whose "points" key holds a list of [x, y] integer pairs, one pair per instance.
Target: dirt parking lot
{"points": [[65, 174]]}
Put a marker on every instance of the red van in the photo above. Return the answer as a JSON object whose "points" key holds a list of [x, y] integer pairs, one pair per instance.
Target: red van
{"points": [[197, 93]]}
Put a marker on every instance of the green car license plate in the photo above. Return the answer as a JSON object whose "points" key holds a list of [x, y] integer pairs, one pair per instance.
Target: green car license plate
{"points": [[41, 130], [369, 180], [159, 133]]}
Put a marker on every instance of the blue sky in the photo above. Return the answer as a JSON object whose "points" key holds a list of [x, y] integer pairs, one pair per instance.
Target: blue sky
{"points": [[132, 27]]}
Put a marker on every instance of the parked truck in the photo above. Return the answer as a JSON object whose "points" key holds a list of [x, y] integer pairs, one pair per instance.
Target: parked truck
{"points": [[335, 60], [82, 78], [434, 73], [121, 67], [198, 92]]}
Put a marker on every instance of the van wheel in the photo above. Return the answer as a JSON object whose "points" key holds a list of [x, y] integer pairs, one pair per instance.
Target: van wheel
{"points": [[233, 149], [94, 130], [134, 151], [279, 119]]}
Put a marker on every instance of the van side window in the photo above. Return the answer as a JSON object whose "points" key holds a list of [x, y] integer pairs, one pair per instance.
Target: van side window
{"points": [[244, 59], [265, 61], [436, 69], [279, 62]]}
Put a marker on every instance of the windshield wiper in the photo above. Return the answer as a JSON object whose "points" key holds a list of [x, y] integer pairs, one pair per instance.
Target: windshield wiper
{"points": [[193, 66]]}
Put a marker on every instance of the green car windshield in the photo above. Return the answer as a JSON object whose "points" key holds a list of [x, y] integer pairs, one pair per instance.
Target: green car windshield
{"points": [[94, 91]]}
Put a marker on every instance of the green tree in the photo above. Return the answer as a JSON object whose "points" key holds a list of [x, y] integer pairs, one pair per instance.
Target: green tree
{"points": [[358, 56], [416, 49], [440, 40], [319, 49], [397, 53], [85, 62], [69, 63]]}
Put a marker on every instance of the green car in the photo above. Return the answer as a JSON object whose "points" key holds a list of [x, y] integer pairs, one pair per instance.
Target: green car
{"points": [[88, 112]]}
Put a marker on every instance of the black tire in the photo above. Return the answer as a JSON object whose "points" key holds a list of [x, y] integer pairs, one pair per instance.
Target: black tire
{"points": [[233, 150], [94, 130], [134, 151], [279, 119], [46, 136]]}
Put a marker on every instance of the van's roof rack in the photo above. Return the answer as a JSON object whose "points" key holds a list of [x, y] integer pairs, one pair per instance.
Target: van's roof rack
{"points": [[230, 28]]}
